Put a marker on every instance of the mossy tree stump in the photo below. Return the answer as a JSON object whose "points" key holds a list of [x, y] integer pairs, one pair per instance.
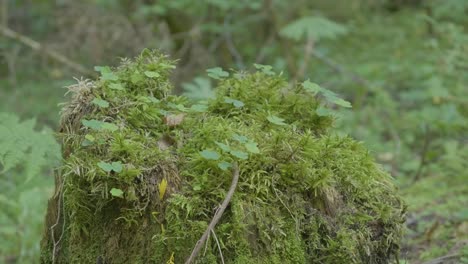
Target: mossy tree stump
{"points": [[144, 172]]}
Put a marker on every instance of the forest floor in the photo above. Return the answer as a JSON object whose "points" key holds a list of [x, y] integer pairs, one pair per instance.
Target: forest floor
{"points": [[437, 221]]}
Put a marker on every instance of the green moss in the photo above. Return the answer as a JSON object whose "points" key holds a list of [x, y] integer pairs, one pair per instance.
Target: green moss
{"points": [[304, 196]]}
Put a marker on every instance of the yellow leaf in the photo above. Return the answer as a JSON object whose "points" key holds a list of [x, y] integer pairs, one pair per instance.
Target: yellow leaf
{"points": [[155, 215], [171, 260], [162, 189]]}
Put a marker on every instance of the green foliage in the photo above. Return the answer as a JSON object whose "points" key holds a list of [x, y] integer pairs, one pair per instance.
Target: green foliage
{"points": [[210, 155], [99, 125], [25, 156], [313, 27], [106, 73], [234, 102], [217, 73], [304, 195], [252, 147], [116, 192], [414, 115], [327, 94], [199, 89], [427, 94], [441, 202], [276, 120], [266, 69], [401, 64], [108, 167], [100, 103], [22, 146]]}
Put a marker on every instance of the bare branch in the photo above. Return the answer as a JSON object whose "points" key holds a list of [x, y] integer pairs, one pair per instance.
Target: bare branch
{"points": [[4, 14], [36, 46], [230, 43], [340, 69], [217, 216], [219, 246], [443, 259], [308, 50], [423, 155], [285, 46]]}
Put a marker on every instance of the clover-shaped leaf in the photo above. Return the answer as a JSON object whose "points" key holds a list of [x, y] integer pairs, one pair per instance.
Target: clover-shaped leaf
{"points": [[93, 124], [239, 154], [217, 73], [116, 192], [234, 102], [199, 108], [100, 102], [210, 154], [116, 86], [223, 146], [240, 138], [108, 167], [99, 125], [224, 165], [117, 166], [266, 69], [109, 126], [252, 147], [106, 73]]}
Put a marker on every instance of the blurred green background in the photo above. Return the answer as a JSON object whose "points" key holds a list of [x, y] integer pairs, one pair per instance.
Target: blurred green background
{"points": [[402, 63]]}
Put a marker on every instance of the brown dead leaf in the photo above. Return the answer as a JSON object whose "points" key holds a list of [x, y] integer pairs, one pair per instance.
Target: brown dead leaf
{"points": [[165, 142], [174, 120]]}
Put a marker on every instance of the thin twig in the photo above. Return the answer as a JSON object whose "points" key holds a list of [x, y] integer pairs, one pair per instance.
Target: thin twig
{"points": [[36, 46], [206, 245], [217, 216], [443, 259], [4, 14], [284, 44], [423, 156], [263, 51], [286, 47], [230, 43], [340, 69], [308, 50], [287, 208], [219, 246], [11, 57], [52, 228]]}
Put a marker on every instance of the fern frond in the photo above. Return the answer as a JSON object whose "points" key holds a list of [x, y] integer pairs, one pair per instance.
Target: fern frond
{"points": [[314, 27], [23, 146]]}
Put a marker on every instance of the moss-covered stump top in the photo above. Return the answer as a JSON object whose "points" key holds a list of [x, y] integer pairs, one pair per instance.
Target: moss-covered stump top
{"points": [[144, 172]]}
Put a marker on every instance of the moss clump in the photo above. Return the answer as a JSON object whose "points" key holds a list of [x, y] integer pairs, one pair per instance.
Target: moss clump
{"points": [[144, 172]]}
